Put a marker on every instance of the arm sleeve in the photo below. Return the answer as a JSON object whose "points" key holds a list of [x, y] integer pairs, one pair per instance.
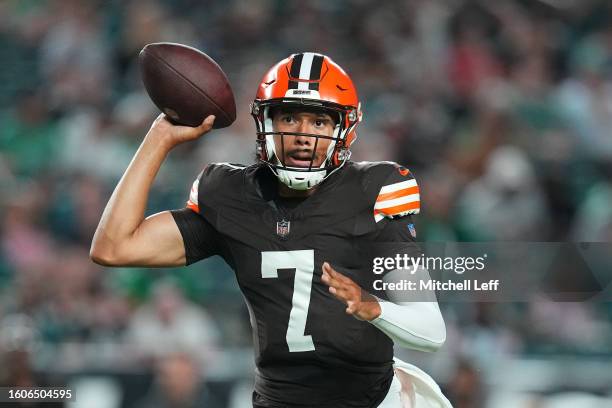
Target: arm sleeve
{"points": [[418, 324], [201, 239], [415, 325]]}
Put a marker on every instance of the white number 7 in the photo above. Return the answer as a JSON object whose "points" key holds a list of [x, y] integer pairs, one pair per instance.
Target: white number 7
{"points": [[303, 263]]}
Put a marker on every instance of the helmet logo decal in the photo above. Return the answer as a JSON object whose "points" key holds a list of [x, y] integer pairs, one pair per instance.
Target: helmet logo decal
{"points": [[306, 68]]}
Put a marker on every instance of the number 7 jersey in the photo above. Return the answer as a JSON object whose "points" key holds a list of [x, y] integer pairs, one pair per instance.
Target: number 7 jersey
{"points": [[308, 351]]}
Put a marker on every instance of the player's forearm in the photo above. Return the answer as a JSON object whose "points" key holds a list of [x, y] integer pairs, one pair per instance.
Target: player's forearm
{"points": [[417, 324], [125, 210]]}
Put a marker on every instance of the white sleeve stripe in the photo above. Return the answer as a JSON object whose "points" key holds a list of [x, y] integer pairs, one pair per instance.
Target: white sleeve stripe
{"points": [[398, 186], [378, 217], [193, 196], [396, 201], [231, 165]]}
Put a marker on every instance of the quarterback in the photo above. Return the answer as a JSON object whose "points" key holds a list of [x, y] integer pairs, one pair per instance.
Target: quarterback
{"points": [[295, 227]]}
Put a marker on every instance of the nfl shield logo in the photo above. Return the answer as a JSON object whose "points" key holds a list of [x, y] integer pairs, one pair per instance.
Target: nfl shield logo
{"points": [[282, 228]]}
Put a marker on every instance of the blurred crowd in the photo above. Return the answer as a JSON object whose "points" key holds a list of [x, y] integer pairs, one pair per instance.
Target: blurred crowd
{"points": [[502, 110]]}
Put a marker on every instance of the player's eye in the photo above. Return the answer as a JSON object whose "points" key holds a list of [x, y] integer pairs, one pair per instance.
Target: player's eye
{"points": [[287, 118], [321, 122]]}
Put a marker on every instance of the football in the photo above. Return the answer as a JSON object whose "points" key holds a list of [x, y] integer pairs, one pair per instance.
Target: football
{"points": [[186, 84]]}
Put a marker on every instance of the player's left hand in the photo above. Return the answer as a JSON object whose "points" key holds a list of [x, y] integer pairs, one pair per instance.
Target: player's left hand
{"points": [[359, 303]]}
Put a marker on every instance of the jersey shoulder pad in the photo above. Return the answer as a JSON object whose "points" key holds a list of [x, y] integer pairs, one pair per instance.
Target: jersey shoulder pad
{"points": [[397, 191], [213, 179], [370, 174]]}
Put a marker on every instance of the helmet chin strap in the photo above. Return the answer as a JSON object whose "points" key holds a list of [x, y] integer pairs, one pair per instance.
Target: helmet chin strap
{"points": [[297, 180], [300, 180]]}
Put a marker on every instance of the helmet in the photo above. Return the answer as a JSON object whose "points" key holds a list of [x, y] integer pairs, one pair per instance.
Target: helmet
{"points": [[306, 81]]}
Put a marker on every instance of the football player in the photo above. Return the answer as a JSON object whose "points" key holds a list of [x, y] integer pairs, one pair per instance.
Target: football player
{"points": [[297, 228]]}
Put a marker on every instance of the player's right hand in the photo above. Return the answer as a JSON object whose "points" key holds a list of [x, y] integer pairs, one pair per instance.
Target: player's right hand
{"points": [[167, 134]]}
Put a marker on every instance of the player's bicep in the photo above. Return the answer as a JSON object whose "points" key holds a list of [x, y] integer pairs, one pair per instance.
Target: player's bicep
{"points": [[156, 242]]}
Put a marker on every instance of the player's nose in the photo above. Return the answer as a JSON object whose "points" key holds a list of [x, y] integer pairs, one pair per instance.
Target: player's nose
{"points": [[304, 127]]}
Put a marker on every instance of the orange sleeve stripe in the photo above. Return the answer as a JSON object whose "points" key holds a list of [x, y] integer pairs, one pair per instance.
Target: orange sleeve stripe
{"points": [[193, 206], [398, 209], [398, 194]]}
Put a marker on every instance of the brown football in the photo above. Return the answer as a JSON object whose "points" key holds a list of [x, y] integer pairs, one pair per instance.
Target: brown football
{"points": [[186, 84]]}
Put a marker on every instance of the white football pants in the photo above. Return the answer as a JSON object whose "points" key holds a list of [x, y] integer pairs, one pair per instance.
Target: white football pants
{"points": [[413, 388]]}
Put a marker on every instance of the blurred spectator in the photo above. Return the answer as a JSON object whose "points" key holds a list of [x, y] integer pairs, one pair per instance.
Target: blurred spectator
{"points": [[586, 97], [570, 325], [25, 242], [171, 322], [18, 340], [179, 383], [74, 56], [439, 196], [506, 203], [593, 221], [28, 136], [465, 387]]}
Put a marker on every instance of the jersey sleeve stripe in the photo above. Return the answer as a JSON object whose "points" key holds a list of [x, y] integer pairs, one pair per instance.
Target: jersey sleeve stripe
{"points": [[410, 198], [193, 194], [408, 208], [193, 206], [192, 202], [391, 188], [398, 194]]}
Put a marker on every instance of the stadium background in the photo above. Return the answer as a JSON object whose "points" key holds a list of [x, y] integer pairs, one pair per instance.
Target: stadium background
{"points": [[503, 110]]}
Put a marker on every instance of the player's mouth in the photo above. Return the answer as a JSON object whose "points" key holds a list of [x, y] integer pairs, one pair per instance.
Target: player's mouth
{"points": [[301, 159]]}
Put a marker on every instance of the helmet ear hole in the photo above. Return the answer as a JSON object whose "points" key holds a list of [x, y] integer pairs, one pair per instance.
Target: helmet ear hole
{"points": [[340, 155], [335, 157]]}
